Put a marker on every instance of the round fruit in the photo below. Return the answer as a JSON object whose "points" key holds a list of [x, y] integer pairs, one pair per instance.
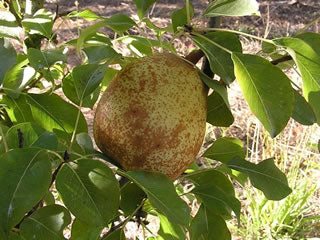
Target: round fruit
{"points": [[152, 116]]}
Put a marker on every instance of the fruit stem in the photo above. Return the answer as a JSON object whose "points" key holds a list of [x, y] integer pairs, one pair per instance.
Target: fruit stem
{"points": [[188, 11], [233, 31]]}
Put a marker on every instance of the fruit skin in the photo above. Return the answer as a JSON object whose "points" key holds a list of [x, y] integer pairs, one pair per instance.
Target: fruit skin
{"points": [[152, 116]]}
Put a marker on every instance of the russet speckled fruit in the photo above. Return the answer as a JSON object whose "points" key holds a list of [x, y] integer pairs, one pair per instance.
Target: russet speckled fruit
{"points": [[152, 116]]}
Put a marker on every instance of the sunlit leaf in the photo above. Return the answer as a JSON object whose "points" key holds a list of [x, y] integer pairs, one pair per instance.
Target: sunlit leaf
{"points": [[180, 17], [51, 112], [220, 60], [49, 221], [25, 175], [89, 189], [232, 8], [224, 149], [142, 6], [7, 57], [262, 83], [206, 225], [9, 26], [169, 230], [96, 54], [162, 195], [264, 176], [44, 58], [40, 23], [305, 53], [86, 14]]}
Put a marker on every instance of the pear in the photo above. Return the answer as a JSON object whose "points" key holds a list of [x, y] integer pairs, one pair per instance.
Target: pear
{"points": [[152, 116]]}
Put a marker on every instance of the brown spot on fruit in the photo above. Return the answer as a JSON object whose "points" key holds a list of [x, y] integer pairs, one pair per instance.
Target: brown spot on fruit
{"points": [[152, 116]]}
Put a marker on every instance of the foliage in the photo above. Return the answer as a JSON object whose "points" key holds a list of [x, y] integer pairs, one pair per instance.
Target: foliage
{"points": [[45, 147]]}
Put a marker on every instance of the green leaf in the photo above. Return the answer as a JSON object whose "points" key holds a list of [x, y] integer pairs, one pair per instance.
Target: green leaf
{"points": [[87, 78], [49, 221], [206, 225], [162, 195], [96, 54], [216, 192], [25, 175], [224, 149], [40, 23], [17, 78], [47, 140], [142, 6], [218, 113], [89, 190], [81, 231], [18, 109], [302, 111], [51, 112], [169, 230], [45, 58], [116, 235], [119, 23], [85, 142], [307, 58], [30, 132], [49, 199], [13, 236], [86, 14], [220, 60], [232, 8], [264, 176], [7, 57], [262, 83], [312, 39], [69, 90], [179, 17], [131, 197], [217, 104], [268, 48], [108, 76], [9, 26]]}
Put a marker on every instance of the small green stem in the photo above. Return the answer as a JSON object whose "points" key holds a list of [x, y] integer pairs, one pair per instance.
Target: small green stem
{"points": [[209, 40], [188, 12], [4, 140], [75, 127], [309, 25], [233, 31]]}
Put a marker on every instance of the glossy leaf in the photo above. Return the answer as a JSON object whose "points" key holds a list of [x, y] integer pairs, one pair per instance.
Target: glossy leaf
{"points": [[86, 14], [232, 8], [262, 83], [162, 195], [81, 231], [220, 60], [302, 111], [51, 112], [119, 23], [7, 57], [46, 223], [18, 109], [47, 140], [89, 190], [30, 133], [169, 230], [224, 149], [85, 142], [69, 90], [206, 225], [308, 62], [45, 58], [179, 17], [216, 192], [96, 54], [131, 197], [87, 78], [142, 6], [218, 113], [264, 176], [9, 26], [40, 23], [25, 175], [17, 78]]}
